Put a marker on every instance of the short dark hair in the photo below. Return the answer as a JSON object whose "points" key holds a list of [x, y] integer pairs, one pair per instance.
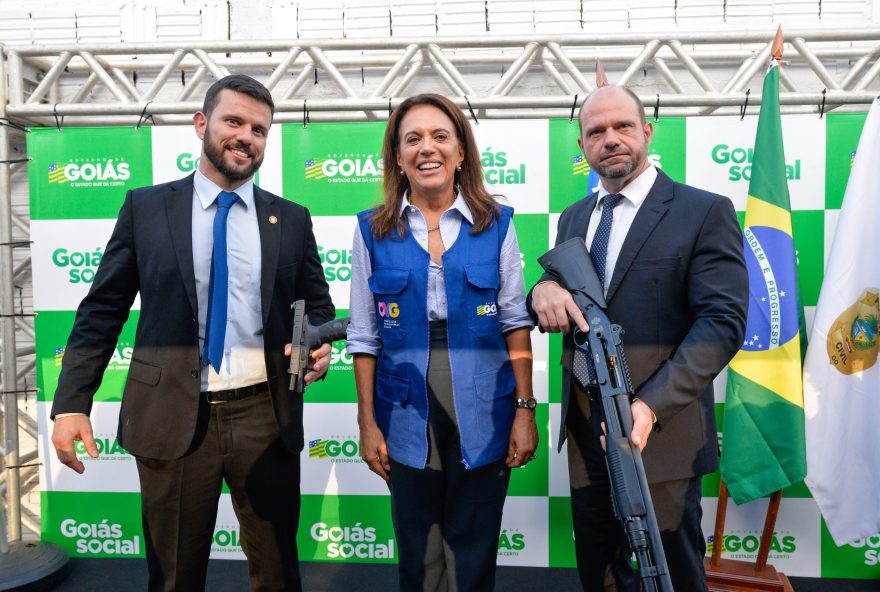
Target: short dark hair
{"points": [[240, 83], [639, 106]]}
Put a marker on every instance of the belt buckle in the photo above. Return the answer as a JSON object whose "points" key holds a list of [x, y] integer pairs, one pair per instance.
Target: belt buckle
{"points": [[214, 401]]}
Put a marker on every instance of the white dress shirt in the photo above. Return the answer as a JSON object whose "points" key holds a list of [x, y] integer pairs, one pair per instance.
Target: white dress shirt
{"points": [[634, 196], [244, 360]]}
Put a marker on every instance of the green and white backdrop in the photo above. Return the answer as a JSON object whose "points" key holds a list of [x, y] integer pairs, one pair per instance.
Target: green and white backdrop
{"points": [[78, 179]]}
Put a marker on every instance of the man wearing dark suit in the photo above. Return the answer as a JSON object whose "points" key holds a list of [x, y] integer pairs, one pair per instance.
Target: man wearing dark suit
{"points": [[207, 395], [676, 282]]}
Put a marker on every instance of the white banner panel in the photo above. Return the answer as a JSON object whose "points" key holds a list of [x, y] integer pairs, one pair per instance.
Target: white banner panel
{"points": [[720, 153], [331, 462], [515, 165], [65, 256], [524, 536], [113, 471], [795, 548]]}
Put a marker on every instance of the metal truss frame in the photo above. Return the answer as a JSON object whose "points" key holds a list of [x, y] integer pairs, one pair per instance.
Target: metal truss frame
{"points": [[529, 77]]}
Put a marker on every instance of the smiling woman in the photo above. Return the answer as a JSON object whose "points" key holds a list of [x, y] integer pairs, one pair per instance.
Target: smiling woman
{"points": [[444, 400]]}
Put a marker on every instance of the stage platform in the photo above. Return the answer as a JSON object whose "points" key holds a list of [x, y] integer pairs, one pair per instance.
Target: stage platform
{"points": [[231, 576]]}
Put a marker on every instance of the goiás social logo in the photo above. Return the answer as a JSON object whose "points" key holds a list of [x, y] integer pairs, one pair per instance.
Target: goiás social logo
{"points": [[498, 170], [186, 162], [336, 262], [90, 172], [347, 542], [336, 449], [80, 266], [738, 161], [358, 167], [100, 538], [871, 547]]}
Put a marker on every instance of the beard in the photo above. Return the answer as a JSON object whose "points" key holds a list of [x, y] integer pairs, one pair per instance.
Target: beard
{"points": [[216, 156], [617, 171]]}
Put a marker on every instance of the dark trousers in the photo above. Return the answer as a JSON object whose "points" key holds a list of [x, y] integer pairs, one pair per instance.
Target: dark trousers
{"points": [[237, 441], [600, 542], [447, 519]]}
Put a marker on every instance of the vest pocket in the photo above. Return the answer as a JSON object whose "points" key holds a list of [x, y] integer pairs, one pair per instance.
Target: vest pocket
{"points": [[493, 392], [390, 388], [480, 300]]}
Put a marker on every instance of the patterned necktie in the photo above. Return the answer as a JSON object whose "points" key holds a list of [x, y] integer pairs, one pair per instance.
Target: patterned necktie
{"points": [[599, 248], [582, 366], [218, 289]]}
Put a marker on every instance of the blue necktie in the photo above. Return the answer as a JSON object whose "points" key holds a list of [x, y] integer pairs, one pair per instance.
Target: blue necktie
{"points": [[599, 248], [218, 289], [599, 255]]}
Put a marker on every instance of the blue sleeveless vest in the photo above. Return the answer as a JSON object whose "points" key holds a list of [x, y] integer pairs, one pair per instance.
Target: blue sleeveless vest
{"points": [[482, 377]]}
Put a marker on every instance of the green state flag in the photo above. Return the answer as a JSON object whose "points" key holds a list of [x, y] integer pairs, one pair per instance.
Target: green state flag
{"points": [[763, 446]]}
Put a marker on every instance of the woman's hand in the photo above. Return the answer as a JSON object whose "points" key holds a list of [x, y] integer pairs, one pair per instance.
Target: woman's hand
{"points": [[523, 439], [373, 450]]}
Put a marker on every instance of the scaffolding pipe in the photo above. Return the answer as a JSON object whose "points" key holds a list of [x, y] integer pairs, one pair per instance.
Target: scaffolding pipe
{"points": [[7, 329]]}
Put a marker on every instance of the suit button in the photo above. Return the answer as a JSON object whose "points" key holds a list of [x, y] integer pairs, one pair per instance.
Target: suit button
{"points": [[195, 322], [194, 373]]}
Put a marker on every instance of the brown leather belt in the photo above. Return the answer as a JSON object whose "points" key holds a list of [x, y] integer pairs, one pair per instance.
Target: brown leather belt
{"points": [[236, 394]]}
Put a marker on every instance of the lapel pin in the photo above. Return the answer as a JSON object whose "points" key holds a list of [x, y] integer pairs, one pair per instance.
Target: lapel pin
{"points": [[273, 220]]}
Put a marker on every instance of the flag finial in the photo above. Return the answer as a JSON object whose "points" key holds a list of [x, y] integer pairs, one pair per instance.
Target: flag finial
{"points": [[601, 79], [776, 49]]}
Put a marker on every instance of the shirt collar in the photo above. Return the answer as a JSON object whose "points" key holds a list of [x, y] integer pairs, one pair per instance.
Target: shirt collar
{"points": [[207, 191], [636, 191], [460, 205]]}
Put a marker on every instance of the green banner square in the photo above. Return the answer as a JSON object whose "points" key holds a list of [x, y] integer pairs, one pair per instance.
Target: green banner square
{"points": [[93, 524], [352, 528], [842, 132], [667, 150], [532, 480], [568, 169], [808, 228], [338, 386], [857, 560], [334, 169], [533, 234], [85, 172], [53, 329], [561, 533]]}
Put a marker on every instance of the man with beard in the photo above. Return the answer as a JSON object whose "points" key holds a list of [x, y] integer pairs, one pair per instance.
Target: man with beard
{"points": [[217, 262], [670, 259]]}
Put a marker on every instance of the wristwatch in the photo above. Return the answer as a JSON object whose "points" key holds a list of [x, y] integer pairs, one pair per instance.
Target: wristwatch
{"points": [[529, 403]]}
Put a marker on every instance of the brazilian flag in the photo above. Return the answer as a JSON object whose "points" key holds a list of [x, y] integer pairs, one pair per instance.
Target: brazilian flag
{"points": [[763, 446]]}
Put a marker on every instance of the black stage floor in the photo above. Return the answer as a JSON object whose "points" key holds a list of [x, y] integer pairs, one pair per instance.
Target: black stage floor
{"points": [[112, 575]]}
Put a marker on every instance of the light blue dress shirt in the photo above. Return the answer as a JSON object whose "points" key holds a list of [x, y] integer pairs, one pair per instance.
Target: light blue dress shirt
{"points": [[363, 336], [244, 360]]}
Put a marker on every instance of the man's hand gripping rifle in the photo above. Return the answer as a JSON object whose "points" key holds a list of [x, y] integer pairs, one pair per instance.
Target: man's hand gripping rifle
{"points": [[307, 337], [571, 264]]}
